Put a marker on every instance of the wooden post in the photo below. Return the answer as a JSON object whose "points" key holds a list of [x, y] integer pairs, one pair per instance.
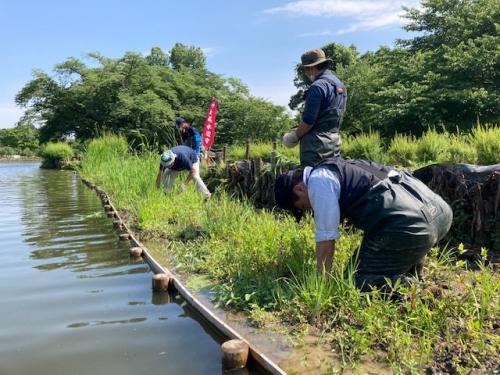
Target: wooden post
{"points": [[124, 236], [117, 224], [273, 154], [161, 282], [224, 153], [247, 150], [107, 207], [234, 354], [136, 252], [111, 213]]}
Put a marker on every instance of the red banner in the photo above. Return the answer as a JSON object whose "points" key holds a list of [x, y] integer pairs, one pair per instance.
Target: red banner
{"points": [[208, 134]]}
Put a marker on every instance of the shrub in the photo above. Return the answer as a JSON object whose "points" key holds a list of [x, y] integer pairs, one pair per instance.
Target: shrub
{"points": [[403, 150], [364, 146], [7, 151], [433, 147], [55, 155], [486, 140]]}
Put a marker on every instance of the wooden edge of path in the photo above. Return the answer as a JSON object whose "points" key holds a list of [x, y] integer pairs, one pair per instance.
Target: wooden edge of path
{"points": [[257, 357]]}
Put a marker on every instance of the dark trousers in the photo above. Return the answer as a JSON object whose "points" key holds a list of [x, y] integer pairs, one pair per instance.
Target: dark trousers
{"points": [[402, 220]]}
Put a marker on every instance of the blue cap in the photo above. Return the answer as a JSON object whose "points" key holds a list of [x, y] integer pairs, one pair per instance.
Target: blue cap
{"points": [[179, 121]]}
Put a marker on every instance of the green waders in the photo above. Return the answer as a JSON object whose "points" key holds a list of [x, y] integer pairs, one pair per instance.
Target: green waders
{"points": [[323, 141], [402, 219]]}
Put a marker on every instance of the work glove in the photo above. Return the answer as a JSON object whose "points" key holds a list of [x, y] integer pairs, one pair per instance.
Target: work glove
{"points": [[182, 187], [290, 139]]}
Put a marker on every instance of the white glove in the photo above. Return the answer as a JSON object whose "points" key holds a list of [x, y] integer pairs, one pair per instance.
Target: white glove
{"points": [[182, 187], [290, 139]]}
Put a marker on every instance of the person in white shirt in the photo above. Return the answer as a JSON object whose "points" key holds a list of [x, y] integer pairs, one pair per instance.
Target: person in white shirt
{"points": [[400, 216]]}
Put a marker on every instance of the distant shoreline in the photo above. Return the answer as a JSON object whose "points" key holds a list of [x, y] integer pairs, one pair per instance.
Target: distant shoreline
{"points": [[19, 158]]}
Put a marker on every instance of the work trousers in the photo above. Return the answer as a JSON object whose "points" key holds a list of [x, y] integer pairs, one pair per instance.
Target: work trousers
{"points": [[402, 220], [169, 175]]}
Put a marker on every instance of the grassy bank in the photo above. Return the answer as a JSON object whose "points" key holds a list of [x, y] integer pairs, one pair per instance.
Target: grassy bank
{"points": [[481, 146], [262, 263]]}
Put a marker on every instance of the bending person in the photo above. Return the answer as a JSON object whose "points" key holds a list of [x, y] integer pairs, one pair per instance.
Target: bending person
{"points": [[175, 160], [401, 217]]}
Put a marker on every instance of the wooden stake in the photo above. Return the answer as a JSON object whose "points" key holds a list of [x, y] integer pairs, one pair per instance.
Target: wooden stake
{"points": [[234, 354], [224, 153], [107, 207], [161, 282], [247, 150], [124, 236], [117, 224], [273, 154], [136, 252], [111, 213]]}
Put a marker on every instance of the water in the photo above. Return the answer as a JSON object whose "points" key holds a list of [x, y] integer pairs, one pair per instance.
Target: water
{"points": [[71, 300]]}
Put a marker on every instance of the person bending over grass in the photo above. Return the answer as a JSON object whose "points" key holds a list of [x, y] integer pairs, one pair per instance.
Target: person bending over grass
{"points": [[400, 216], [175, 160]]}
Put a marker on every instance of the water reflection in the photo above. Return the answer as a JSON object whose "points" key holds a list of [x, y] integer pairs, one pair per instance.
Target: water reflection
{"points": [[76, 302]]}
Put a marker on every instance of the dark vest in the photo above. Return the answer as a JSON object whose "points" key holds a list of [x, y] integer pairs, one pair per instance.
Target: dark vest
{"points": [[356, 177], [323, 141]]}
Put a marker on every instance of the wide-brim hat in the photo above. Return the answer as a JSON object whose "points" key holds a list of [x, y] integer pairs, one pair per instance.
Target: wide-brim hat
{"points": [[313, 57], [167, 158], [284, 196]]}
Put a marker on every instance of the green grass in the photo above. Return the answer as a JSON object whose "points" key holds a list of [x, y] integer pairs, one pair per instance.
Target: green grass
{"points": [[486, 140], [56, 154], [263, 263]]}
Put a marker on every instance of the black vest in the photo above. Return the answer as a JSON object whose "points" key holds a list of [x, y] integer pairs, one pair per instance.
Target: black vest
{"points": [[356, 177]]}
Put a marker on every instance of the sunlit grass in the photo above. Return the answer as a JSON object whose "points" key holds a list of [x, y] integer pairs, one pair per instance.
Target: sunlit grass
{"points": [[264, 262]]}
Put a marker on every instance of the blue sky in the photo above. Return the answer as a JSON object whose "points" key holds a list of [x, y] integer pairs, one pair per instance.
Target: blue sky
{"points": [[256, 41]]}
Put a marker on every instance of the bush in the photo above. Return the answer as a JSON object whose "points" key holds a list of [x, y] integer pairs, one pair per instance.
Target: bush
{"points": [[486, 140], [364, 146], [7, 151], [55, 155], [403, 150], [433, 147]]}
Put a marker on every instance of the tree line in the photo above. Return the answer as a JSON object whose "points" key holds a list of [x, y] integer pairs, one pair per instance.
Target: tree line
{"points": [[444, 76]]}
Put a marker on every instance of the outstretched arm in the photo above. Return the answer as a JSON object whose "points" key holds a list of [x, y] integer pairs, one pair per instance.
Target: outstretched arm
{"points": [[324, 255]]}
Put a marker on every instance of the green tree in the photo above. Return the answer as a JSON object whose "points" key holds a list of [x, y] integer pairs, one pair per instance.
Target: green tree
{"points": [[190, 57], [140, 98]]}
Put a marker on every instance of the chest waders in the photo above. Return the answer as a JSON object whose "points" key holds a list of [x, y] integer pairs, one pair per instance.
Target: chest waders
{"points": [[402, 219], [323, 140]]}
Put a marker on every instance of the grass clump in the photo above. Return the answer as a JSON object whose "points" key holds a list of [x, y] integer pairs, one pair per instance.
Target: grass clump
{"points": [[403, 150], [433, 147], [486, 140], [56, 154], [364, 146]]}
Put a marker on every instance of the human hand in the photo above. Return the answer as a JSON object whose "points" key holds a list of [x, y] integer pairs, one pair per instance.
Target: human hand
{"points": [[290, 139], [182, 187]]}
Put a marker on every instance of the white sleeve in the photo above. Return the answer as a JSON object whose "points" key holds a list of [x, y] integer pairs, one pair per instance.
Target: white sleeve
{"points": [[324, 191]]}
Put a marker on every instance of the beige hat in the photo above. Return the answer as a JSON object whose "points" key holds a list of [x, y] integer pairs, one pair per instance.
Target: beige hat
{"points": [[313, 57]]}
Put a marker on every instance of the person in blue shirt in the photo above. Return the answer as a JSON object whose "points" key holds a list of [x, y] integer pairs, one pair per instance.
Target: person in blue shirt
{"points": [[325, 104], [189, 136], [401, 218], [178, 159]]}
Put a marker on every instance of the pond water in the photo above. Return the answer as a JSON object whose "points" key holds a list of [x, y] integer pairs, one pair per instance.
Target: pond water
{"points": [[72, 301]]}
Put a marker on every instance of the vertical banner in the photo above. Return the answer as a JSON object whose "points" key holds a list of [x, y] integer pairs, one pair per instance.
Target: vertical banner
{"points": [[208, 135]]}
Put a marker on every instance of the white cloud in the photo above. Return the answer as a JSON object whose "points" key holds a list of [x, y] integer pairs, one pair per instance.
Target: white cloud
{"points": [[9, 115], [209, 51], [361, 14]]}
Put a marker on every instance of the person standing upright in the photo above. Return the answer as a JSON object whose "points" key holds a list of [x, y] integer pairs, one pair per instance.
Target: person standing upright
{"points": [[325, 104], [189, 136]]}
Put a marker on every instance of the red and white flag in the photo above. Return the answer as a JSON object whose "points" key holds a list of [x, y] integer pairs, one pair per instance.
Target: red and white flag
{"points": [[208, 134]]}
